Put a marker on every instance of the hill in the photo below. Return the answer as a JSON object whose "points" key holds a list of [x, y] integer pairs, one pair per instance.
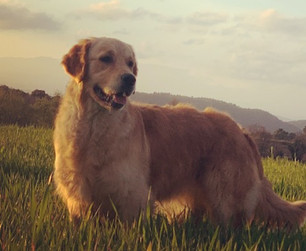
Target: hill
{"points": [[301, 124], [245, 117], [39, 109]]}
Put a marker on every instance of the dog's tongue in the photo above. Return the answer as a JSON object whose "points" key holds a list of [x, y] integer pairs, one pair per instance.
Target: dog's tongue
{"points": [[119, 99]]}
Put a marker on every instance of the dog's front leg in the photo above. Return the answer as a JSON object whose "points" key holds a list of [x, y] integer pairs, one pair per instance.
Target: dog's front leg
{"points": [[77, 209], [75, 192]]}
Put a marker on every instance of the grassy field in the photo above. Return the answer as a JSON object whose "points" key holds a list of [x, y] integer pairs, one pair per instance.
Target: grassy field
{"points": [[32, 217]]}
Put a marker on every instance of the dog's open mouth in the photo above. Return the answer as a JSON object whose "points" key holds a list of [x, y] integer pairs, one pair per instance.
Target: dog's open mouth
{"points": [[116, 100]]}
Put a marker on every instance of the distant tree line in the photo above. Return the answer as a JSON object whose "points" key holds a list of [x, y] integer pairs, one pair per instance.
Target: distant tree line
{"points": [[20, 108], [39, 109], [280, 143]]}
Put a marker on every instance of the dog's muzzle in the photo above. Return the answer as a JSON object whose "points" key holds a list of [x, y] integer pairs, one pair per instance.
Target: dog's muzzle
{"points": [[119, 98]]}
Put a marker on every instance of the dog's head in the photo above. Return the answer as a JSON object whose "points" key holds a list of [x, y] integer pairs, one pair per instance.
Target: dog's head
{"points": [[107, 69]]}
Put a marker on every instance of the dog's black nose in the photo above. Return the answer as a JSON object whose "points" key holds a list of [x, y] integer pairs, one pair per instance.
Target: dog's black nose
{"points": [[128, 79]]}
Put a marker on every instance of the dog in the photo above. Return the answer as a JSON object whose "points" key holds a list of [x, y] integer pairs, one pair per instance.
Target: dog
{"points": [[115, 157]]}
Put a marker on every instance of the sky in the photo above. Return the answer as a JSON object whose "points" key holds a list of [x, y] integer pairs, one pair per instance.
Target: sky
{"points": [[251, 53]]}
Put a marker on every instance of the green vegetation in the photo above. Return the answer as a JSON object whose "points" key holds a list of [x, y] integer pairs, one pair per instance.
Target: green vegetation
{"points": [[20, 108], [280, 143], [32, 217]]}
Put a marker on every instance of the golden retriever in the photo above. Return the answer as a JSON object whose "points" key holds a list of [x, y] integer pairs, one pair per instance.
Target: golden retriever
{"points": [[115, 157]]}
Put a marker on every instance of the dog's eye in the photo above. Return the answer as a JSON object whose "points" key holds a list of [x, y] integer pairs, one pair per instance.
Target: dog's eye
{"points": [[130, 64], [106, 59]]}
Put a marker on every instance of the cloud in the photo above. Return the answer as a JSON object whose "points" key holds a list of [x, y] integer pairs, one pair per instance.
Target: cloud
{"points": [[109, 11], [269, 48], [113, 11], [272, 22], [247, 24], [207, 18], [122, 31], [16, 17], [193, 41], [278, 67]]}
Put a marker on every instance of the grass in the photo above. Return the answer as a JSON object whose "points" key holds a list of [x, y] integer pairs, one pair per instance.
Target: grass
{"points": [[32, 217]]}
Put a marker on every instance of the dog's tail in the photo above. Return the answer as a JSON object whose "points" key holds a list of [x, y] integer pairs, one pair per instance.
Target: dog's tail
{"points": [[277, 212], [271, 208]]}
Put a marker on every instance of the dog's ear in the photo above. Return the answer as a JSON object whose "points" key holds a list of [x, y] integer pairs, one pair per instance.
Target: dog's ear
{"points": [[75, 61]]}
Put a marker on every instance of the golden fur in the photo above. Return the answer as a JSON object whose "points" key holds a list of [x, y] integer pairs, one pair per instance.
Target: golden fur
{"points": [[110, 152]]}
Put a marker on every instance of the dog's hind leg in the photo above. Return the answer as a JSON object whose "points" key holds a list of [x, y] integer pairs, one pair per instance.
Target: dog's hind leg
{"points": [[227, 194]]}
